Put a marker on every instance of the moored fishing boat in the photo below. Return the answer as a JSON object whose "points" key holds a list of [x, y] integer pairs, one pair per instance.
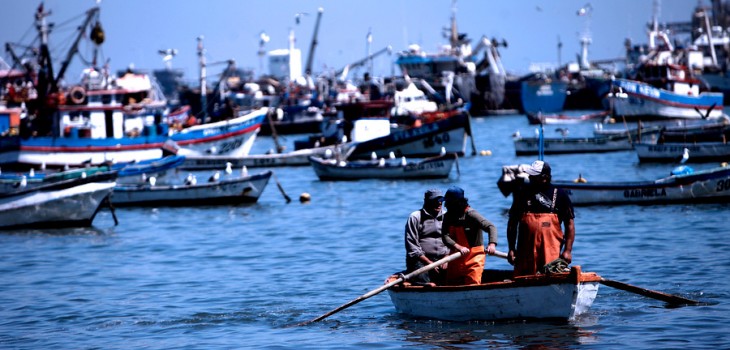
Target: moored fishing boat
{"points": [[68, 203], [673, 151], [429, 168], [105, 118], [500, 296], [424, 141], [540, 118], [683, 185], [711, 185], [544, 95], [663, 87], [565, 145], [219, 189]]}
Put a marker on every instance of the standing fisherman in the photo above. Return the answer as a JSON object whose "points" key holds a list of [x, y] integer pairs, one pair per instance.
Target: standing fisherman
{"points": [[534, 229]]}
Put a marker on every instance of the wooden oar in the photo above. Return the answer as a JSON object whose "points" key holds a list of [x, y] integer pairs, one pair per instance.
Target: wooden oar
{"points": [[668, 298], [428, 267]]}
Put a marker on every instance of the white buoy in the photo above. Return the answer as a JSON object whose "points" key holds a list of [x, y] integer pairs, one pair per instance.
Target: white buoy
{"points": [[305, 197]]}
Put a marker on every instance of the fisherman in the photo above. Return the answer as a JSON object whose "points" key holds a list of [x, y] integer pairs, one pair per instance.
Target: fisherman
{"points": [[534, 229], [462, 231], [423, 239]]}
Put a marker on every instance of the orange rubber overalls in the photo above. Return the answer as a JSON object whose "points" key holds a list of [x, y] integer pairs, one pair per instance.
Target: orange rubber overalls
{"points": [[466, 269], [539, 240]]}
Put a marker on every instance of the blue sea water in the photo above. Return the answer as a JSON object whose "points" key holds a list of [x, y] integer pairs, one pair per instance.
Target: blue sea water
{"points": [[243, 276]]}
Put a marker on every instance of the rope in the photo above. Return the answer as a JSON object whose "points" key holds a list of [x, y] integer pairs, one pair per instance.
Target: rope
{"points": [[556, 266]]}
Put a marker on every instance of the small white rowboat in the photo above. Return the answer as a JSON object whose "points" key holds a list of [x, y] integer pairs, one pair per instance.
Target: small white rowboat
{"points": [[502, 297]]}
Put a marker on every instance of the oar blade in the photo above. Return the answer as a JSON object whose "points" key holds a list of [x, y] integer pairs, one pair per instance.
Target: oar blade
{"points": [[668, 298]]}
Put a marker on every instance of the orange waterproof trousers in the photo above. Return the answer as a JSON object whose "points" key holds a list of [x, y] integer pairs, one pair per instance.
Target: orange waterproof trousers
{"points": [[467, 269], [539, 241]]}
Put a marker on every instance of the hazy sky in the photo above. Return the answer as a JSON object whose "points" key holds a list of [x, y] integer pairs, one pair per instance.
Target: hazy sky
{"points": [[137, 29]]}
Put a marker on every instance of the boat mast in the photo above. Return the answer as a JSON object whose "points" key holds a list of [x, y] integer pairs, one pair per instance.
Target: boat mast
{"points": [[369, 40], [585, 40], [46, 83], [203, 87], [313, 44], [97, 36]]}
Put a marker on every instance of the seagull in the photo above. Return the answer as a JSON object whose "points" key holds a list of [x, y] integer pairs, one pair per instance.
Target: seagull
{"points": [[144, 177], [443, 151], [562, 131], [83, 175], [190, 180], [31, 173], [152, 180], [516, 134], [229, 170], [43, 166], [537, 132], [381, 162], [685, 156], [23, 182], [215, 177], [244, 171], [391, 155], [403, 161], [373, 156], [328, 154]]}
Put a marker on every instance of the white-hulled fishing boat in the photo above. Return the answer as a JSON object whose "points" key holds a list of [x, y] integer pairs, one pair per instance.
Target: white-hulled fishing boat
{"points": [[219, 189], [67, 203], [502, 297], [429, 168], [701, 186]]}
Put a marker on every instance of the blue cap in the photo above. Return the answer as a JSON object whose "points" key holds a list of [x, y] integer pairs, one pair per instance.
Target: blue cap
{"points": [[454, 192]]}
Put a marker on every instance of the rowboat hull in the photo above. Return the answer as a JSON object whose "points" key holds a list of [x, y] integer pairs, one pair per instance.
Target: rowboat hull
{"points": [[74, 206], [246, 189], [711, 185], [672, 152], [433, 168], [560, 296]]}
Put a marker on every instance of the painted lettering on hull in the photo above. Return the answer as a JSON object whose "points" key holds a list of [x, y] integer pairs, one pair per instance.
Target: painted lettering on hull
{"points": [[645, 193]]}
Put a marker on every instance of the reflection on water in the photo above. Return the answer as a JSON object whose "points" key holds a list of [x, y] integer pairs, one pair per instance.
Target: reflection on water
{"points": [[544, 334]]}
